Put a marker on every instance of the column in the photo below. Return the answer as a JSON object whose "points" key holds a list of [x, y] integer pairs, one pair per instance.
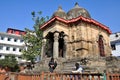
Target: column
{"points": [[65, 45], [55, 45], [43, 50]]}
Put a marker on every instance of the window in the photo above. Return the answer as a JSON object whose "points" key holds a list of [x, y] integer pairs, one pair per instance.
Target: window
{"points": [[116, 35], [101, 46], [12, 31], [9, 39], [20, 50], [2, 38], [14, 49], [1, 47], [21, 33], [21, 40], [15, 40], [113, 47], [7, 48]]}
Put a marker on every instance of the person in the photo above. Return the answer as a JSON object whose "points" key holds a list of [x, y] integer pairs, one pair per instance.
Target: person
{"points": [[52, 65], [78, 69], [3, 69], [22, 68]]}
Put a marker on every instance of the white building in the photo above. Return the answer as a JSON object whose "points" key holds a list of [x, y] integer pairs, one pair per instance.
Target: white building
{"points": [[115, 44], [11, 42]]}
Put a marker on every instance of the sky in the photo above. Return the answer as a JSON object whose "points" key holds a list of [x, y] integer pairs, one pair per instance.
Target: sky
{"points": [[17, 13]]}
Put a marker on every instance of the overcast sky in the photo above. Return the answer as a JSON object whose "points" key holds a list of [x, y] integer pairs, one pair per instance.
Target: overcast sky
{"points": [[17, 13]]}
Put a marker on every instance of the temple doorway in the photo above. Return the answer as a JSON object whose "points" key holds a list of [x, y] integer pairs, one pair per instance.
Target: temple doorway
{"points": [[61, 44], [49, 45]]}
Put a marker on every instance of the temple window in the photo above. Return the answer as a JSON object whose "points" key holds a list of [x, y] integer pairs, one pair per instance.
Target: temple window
{"points": [[101, 46]]}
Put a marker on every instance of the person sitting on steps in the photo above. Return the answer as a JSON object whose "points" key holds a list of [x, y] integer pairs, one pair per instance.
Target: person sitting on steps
{"points": [[52, 65], [79, 68]]}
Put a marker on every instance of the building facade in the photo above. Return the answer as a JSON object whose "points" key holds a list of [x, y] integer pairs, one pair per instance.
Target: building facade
{"points": [[12, 43], [115, 44]]}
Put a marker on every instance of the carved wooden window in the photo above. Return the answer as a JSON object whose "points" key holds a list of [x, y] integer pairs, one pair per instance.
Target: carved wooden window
{"points": [[101, 46]]}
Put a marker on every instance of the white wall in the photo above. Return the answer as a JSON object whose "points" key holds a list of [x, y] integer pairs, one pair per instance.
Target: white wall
{"points": [[11, 44], [115, 39], [117, 51]]}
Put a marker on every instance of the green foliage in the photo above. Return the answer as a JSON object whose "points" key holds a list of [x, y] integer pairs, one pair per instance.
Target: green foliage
{"points": [[9, 61], [33, 38]]}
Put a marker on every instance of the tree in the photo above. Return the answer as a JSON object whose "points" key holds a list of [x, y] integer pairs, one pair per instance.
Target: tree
{"points": [[33, 38], [9, 61]]}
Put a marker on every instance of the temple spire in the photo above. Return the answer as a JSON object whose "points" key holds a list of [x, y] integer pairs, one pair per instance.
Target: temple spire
{"points": [[77, 5], [60, 8]]}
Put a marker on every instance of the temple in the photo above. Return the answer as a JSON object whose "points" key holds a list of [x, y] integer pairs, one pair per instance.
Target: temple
{"points": [[75, 34], [75, 37]]}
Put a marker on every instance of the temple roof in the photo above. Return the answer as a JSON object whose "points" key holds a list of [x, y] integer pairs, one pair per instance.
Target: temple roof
{"points": [[77, 11], [88, 20], [60, 13]]}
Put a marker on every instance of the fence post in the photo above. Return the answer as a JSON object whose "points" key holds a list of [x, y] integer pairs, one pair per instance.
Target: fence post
{"points": [[98, 77], [87, 77], [42, 76], [107, 76], [92, 77]]}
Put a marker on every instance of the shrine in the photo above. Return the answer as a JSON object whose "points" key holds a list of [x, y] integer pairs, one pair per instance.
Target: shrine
{"points": [[75, 34], [75, 37]]}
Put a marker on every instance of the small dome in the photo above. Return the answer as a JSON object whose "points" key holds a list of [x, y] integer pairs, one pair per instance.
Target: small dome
{"points": [[60, 13], [77, 11]]}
